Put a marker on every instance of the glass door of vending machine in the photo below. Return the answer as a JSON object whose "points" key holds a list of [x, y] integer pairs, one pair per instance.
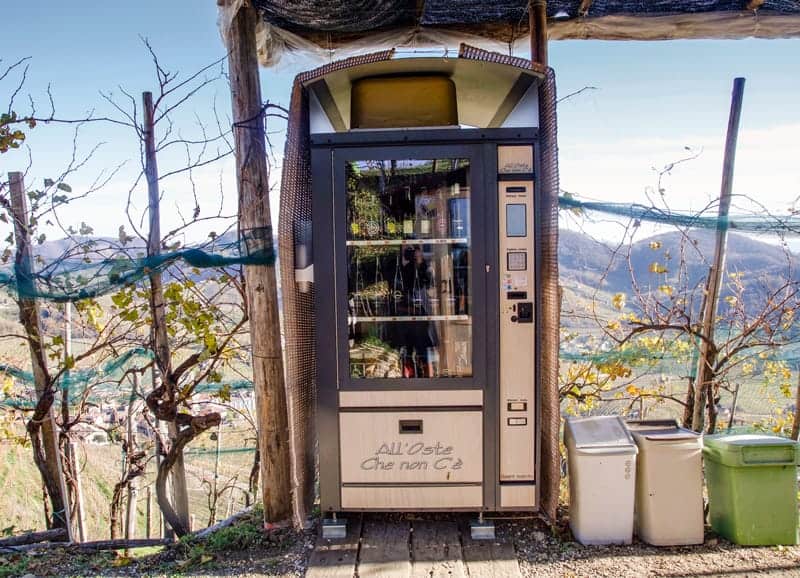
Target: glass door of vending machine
{"points": [[410, 309], [402, 387]]}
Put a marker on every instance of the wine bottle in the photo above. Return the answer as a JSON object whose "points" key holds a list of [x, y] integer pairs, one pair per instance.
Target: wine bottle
{"points": [[397, 287], [408, 214], [379, 297], [417, 297]]}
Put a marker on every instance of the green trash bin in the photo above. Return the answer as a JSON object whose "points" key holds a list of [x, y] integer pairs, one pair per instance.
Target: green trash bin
{"points": [[752, 488]]}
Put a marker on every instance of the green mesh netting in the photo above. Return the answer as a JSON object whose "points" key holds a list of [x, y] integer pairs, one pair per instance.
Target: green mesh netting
{"points": [[103, 381], [745, 223], [77, 278]]}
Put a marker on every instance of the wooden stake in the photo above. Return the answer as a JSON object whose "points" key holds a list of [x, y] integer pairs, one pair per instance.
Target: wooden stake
{"points": [[69, 446], [796, 420], [29, 318], [215, 484], [180, 496], [262, 297], [707, 359], [537, 19], [133, 489], [79, 505], [149, 513]]}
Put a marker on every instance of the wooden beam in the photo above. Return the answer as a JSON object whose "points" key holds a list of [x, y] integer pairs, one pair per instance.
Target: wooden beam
{"points": [[537, 18], [57, 535], [730, 25], [709, 25], [255, 221]]}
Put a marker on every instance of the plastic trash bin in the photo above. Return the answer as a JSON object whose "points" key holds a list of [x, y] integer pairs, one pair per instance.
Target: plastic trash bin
{"points": [[669, 483], [752, 488], [601, 456]]}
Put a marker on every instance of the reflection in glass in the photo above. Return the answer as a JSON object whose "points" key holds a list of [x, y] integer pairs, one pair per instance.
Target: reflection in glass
{"points": [[409, 299]]}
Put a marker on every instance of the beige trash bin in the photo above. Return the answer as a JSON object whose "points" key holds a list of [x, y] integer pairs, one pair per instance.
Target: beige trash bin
{"points": [[669, 483], [601, 457]]}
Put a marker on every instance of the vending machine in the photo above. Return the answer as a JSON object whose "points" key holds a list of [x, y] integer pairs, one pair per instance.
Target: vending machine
{"points": [[425, 242]]}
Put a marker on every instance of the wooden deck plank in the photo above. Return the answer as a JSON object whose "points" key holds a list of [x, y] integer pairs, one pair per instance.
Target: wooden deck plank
{"points": [[489, 558], [436, 550], [385, 549], [336, 558]]}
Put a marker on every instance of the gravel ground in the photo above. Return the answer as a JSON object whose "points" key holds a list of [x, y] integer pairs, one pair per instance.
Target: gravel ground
{"points": [[540, 553]]}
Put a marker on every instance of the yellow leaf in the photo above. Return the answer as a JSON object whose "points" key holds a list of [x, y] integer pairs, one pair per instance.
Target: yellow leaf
{"points": [[656, 267], [655, 245], [8, 386], [205, 558], [618, 301], [633, 390], [666, 289], [121, 561]]}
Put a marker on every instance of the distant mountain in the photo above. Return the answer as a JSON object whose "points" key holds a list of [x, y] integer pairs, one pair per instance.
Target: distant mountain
{"points": [[588, 264]]}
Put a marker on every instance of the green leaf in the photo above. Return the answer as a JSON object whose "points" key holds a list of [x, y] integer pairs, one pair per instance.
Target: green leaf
{"points": [[130, 315], [49, 182], [210, 341], [64, 187]]}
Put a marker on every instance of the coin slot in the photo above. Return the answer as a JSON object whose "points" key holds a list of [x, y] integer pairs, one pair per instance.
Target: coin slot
{"points": [[410, 426], [517, 421], [517, 406]]}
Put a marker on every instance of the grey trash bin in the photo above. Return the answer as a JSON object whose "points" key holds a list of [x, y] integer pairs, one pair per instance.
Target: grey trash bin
{"points": [[601, 455], [669, 483]]}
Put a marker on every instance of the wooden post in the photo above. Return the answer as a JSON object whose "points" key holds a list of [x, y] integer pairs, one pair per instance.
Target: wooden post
{"points": [[796, 418], [550, 422], [214, 495], [80, 509], [180, 496], [148, 514], [537, 19], [133, 485], [703, 382], [50, 463], [69, 446], [262, 297]]}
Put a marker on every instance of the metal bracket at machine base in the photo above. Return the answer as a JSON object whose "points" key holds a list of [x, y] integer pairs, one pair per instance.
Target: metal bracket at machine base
{"points": [[481, 529], [334, 529]]}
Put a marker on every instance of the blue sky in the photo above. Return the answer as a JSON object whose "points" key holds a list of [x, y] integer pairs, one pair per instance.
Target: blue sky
{"points": [[652, 100]]}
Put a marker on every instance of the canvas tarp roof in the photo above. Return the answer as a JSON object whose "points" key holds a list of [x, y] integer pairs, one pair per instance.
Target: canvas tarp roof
{"points": [[332, 29]]}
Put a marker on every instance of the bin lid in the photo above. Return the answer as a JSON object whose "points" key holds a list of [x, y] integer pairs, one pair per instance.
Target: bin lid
{"points": [[751, 450], [666, 430], [606, 431]]}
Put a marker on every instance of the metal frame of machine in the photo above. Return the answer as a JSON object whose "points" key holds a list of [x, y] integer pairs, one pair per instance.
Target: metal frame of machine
{"points": [[329, 150]]}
